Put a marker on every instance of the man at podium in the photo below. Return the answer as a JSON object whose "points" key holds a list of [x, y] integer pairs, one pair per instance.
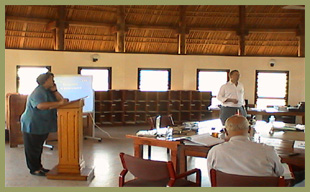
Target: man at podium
{"points": [[38, 119]]}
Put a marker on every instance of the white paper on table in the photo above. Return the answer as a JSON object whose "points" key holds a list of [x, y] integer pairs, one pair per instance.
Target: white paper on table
{"points": [[205, 139], [299, 144], [300, 127]]}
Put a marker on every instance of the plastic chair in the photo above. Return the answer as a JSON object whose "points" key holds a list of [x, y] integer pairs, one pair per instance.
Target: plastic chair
{"points": [[150, 173], [221, 179]]}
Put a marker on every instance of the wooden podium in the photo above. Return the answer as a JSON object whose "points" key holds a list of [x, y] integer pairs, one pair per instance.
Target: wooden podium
{"points": [[71, 165]]}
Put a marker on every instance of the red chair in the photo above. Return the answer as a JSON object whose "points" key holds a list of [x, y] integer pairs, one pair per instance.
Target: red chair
{"points": [[150, 173], [221, 179]]}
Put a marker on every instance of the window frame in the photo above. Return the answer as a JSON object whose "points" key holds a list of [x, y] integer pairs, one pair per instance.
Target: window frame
{"points": [[272, 71], [107, 68], [155, 69], [49, 68], [210, 70]]}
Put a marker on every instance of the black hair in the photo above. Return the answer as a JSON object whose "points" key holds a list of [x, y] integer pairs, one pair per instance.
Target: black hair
{"points": [[41, 79], [233, 71]]}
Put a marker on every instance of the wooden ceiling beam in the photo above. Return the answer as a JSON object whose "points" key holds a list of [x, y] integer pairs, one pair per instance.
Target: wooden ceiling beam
{"points": [[277, 30], [146, 37], [51, 25], [90, 24], [26, 19], [149, 27], [120, 32], [22, 41], [301, 36], [182, 31], [60, 29], [242, 30], [213, 29], [21, 36]]}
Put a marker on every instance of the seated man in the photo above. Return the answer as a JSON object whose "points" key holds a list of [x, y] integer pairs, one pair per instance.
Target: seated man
{"points": [[241, 156]]}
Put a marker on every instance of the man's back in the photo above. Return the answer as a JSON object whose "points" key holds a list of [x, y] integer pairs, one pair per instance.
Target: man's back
{"points": [[242, 157]]}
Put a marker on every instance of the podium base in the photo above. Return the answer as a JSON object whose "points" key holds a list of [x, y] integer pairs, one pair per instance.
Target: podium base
{"points": [[84, 175]]}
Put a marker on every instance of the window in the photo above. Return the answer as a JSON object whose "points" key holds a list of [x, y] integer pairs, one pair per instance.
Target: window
{"points": [[27, 77], [154, 79], [212, 80], [101, 77], [271, 88]]}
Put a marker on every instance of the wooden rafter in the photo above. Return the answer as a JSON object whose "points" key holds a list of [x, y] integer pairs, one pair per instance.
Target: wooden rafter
{"points": [[149, 27], [60, 29], [182, 31], [242, 31], [301, 36], [219, 30], [120, 30]]}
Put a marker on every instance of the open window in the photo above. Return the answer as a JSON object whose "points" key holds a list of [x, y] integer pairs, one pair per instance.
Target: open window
{"points": [[27, 76], [212, 80], [101, 77], [154, 79], [271, 88]]}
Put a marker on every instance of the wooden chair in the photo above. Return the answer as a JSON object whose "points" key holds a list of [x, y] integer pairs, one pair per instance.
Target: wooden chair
{"points": [[221, 179], [165, 120], [15, 107], [150, 173]]}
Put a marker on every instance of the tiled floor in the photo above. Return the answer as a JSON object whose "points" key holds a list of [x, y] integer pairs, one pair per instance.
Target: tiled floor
{"points": [[103, 156]]}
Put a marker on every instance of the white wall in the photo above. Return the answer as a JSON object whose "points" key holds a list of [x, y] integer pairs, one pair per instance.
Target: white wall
{"points": [[183, 68]]}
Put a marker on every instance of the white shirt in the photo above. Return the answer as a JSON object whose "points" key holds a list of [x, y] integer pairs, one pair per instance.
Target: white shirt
{"points": [[241, 156], [231, 91]]}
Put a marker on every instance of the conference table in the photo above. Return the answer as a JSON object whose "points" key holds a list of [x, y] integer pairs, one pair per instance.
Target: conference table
{"points": [[267, 111], [272, 111], [283, 141]]}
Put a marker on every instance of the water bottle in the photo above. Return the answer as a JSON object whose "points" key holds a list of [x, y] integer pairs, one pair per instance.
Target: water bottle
{"points": [[222, 134], [169, 133], [157, 123], [272, 119]]}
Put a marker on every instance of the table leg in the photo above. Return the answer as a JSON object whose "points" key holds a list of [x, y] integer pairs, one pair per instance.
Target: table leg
{"points": [[182, 160], [174, 158], [138, 150]]}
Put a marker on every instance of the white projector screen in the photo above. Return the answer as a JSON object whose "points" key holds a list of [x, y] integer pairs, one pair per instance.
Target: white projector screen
{"points": [[75, 87]]}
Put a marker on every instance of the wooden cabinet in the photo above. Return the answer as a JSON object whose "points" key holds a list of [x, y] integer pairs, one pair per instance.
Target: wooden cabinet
{"points": [[121, 107]]}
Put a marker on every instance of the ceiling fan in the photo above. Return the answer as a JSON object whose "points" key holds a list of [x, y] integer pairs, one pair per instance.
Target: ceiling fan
{"points": [[296, 7]]}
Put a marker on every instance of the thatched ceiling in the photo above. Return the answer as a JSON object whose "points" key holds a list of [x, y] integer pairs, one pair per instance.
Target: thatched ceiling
{"points": [[208, 30]]}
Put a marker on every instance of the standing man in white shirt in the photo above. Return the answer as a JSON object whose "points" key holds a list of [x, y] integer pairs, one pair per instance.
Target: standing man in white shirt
{"points": [[231, 95]]}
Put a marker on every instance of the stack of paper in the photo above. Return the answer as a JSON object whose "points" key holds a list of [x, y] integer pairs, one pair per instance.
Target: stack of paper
{"points": [[300, 127], [147, 133], [205, 139]]}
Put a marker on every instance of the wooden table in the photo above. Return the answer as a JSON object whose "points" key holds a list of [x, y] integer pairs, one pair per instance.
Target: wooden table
{"points": [[264, 112], [280, 113], [180, 151], [138, 143]]}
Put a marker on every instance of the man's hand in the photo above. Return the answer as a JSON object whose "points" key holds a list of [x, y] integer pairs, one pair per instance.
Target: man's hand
{"points": [[235, 101], [63, 101], [53, 88]]}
